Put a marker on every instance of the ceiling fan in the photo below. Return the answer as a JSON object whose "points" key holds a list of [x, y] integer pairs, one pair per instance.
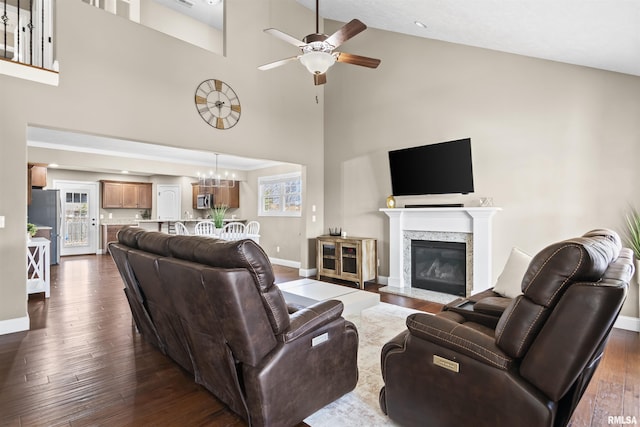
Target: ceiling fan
{"points": [[317, 49]]}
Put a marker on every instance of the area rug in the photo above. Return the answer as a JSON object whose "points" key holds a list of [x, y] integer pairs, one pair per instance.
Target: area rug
{"points": [[376, 326]]}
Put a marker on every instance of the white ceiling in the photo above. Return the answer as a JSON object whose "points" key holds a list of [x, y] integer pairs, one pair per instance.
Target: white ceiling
{"points": [[602, 34]]}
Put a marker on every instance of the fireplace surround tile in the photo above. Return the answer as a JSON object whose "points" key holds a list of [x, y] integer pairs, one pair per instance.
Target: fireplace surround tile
{"points": [[437, 236]]}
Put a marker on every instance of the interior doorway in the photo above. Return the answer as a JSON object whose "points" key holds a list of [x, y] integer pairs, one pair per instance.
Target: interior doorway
{"points": [[79, 207]]}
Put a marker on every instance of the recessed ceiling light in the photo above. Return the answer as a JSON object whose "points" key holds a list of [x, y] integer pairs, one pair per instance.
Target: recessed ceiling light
{"points": [[420, 24]]}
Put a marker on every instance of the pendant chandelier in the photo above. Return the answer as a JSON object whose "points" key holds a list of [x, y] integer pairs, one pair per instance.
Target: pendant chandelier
{"points": [[206, 183]]}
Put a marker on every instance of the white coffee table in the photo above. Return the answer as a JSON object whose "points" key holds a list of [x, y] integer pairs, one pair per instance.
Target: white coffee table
{"points": [[309, 291]]}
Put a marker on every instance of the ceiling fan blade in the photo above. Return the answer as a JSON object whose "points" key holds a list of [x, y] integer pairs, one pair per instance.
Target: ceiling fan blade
{"points": [[363, 61], [276, 63], [319, 79], [347, 31], [285, 37]]}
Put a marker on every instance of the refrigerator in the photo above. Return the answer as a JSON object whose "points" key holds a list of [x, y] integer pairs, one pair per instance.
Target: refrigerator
{"points": [[44, 211]]}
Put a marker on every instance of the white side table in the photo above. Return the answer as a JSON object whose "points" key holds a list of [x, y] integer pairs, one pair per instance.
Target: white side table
{"points": [[38, 264]]}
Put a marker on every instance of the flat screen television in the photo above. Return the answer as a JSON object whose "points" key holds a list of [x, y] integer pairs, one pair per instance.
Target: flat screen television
{"points": [[443, 168]]}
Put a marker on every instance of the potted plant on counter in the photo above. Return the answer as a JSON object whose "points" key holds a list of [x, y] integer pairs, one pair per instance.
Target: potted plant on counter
{"points": [[31, 230], [217, 214]]}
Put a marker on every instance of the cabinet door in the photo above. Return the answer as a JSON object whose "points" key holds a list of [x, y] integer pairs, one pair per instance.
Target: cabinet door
{"points": [[129, 195], [228, 196], [350, 260], [111, 195], [145, 195], [38, 176], [327, 256]]}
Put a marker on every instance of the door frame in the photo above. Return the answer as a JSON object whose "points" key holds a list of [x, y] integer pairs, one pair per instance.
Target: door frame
{"points": [[94, 207]]}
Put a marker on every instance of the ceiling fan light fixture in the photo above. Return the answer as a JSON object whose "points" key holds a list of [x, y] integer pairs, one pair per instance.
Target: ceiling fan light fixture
{"points": [[317, 62]]}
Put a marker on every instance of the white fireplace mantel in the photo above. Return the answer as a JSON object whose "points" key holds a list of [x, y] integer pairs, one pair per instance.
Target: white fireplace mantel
{"points": [[473, 220]]}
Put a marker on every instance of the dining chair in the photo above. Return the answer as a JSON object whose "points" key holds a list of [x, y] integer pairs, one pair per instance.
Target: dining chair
{"points": [[205, 228], [181, 229], [233, 231], [252, 227]]}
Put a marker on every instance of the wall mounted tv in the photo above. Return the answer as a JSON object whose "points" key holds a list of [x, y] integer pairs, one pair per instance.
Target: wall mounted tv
{"points": [[443, 168]]}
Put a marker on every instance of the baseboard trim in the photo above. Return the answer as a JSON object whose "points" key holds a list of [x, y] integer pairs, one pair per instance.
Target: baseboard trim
{"points": [[628, 323], [383, 280], [11, 326], [285, 262], [307, 272], [304, 272]]}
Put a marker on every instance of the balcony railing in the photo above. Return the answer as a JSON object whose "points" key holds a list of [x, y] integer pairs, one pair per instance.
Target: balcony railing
{"points": [[26, 32]]}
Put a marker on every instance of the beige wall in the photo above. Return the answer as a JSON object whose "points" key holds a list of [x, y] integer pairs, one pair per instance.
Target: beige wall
{"points": [[123, 80], [555, 145], [283, 233]]}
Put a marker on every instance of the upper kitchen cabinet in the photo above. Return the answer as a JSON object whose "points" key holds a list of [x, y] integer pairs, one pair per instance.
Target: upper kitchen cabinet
{"points": [[228, 194], [126, 195], [38, 176]]}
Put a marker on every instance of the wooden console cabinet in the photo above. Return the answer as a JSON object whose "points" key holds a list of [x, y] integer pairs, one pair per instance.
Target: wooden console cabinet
{"points": [[349, 258], [126, 195]]}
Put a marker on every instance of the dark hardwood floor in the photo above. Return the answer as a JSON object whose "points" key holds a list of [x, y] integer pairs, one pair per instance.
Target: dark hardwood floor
{"points": [[82, 363]]}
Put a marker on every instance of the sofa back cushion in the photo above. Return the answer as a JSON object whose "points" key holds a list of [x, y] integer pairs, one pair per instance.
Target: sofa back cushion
{"points": [[245, 254], [128, 236], [550, 273], [213, 252]]}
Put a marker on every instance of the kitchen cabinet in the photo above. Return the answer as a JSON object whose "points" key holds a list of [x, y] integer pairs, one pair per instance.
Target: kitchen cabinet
{"points": [[228, 196], [36, 177], [348, 258], [126, 195]]}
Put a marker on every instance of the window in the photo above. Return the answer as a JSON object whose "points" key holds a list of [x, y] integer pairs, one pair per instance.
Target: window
{"points": [[280, 195]]}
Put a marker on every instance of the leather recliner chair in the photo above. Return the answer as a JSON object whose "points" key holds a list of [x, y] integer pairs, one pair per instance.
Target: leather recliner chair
{"points": [[533, 366]]}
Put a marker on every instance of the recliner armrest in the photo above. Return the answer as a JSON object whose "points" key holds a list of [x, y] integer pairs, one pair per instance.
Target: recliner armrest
{"points": [[458, 337], [493, 306], [311, 318]]}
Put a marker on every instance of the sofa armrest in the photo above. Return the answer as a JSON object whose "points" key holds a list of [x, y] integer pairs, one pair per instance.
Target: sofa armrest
{"points": [[311, 318], [458, 337]]}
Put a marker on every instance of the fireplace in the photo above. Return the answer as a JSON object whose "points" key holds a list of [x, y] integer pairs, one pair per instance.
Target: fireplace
{"points": [[470, 225], [439, 266]]}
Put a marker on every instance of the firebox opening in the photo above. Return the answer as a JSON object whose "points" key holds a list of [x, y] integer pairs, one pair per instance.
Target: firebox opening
{"points": [[439, 266]]}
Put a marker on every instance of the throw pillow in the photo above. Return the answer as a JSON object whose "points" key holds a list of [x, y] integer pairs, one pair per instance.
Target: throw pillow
{"points": [[509, 283]]}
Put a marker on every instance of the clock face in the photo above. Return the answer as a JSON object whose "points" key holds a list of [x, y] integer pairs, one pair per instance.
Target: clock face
{"points": [[217, 104]]}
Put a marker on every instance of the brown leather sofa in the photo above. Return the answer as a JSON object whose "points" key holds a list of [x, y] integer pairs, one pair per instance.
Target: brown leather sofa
{"points": [[212, 307], [532, 367]]}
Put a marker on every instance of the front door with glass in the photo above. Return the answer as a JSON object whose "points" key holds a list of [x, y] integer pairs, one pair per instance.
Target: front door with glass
{"points": [[79, 234]]}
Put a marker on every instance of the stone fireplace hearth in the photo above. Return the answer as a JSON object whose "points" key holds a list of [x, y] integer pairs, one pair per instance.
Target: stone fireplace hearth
{"points": [[458, 224]]}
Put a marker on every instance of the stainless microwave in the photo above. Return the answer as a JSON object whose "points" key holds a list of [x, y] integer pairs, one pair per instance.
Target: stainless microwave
{"points": [[205, 201]]}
